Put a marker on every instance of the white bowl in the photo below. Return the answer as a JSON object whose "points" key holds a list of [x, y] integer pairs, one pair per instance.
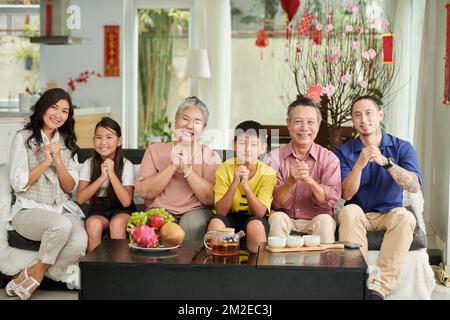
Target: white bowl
{"points": [[276, 242], [311, 240], [295, 241]]}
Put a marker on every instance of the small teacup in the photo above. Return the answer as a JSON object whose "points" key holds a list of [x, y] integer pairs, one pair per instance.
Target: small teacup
{"points": [[311, 240], [276, 242], [295, 241]]}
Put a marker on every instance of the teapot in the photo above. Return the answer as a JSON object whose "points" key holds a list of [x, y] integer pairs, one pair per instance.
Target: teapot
{"points": [[223, 242]]}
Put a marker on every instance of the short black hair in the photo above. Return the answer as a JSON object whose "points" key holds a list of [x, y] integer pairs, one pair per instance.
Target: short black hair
{"points": [[250, 127], [302, 101], [377, 101]]}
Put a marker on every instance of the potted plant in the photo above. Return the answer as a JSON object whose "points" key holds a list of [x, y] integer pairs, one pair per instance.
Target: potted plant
{"points": [[160, 131], [337, 58]]}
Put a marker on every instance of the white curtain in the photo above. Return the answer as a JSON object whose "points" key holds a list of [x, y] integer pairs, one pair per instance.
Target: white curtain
{"points": [[425, 102], [213, 33], [407, 17]]}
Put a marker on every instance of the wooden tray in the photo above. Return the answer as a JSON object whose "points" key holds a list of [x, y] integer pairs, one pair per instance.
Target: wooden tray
{"points": [[320, 247]]}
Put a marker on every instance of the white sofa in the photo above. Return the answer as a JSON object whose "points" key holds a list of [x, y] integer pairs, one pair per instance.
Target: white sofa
{"points": [[13, 260], [416, 280]]}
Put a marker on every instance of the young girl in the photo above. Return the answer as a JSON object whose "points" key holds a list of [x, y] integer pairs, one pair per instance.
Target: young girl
{"points": [[43, 170], [111, 197]]}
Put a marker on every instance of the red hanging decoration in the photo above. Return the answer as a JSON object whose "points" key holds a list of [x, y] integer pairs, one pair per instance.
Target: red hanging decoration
{"points": [[290, 8], [48, 18], [262, 40], [316, 36], [388, 45], [305, 24], [447, 59]]}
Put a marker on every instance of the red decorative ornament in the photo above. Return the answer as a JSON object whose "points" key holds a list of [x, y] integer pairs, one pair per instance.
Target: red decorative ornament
{"points": [[447, 59], [388, 44], [305, 24], [262, 40], [290, 8], [316, 36]]}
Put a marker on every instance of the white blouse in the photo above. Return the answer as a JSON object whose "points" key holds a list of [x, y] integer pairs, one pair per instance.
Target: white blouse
{"points": [[19, 174], [127, 175]]}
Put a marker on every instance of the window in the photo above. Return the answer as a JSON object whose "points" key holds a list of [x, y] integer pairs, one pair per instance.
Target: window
{"points": [[19, 59], [261, 81], [163, 48]]}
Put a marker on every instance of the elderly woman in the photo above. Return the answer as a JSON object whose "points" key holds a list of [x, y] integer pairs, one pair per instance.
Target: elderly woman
{"points": [[179, 175]]}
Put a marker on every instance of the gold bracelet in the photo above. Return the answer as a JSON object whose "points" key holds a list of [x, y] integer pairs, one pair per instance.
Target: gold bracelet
{"points": [[189, 172]]}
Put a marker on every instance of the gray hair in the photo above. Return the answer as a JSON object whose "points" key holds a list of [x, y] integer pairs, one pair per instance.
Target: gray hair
{"points": [[303, 102], [192, 102]]}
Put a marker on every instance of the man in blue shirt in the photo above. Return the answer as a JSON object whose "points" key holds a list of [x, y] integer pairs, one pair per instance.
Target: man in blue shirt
{"points": [[376, 167]]}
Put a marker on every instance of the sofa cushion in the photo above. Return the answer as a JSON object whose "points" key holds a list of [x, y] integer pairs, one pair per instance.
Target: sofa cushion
{"points": [[134, 155], [375, 239], [15, 240]]}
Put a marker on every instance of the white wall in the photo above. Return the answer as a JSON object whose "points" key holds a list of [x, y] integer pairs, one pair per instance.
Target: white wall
{"points": [[59, 62], [438, 199], [256, 95]]}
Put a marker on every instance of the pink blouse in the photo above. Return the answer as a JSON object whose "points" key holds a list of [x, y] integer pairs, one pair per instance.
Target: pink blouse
{"points": [[178, 197]]}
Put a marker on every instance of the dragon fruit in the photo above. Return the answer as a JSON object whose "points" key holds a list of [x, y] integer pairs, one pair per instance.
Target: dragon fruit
{"points": [[144, 236]]}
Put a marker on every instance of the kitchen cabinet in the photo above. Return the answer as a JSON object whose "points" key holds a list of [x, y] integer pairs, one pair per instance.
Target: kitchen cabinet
{"points": [[85, 126]]}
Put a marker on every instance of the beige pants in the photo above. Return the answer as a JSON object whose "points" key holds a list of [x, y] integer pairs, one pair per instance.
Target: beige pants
{"points": [[62, 235], [323, 225], [195, 222], [398, 225]]}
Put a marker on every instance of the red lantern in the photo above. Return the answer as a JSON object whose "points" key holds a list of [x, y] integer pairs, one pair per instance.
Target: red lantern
{"points": [[262, 40], [316, 36], [290, 7]]}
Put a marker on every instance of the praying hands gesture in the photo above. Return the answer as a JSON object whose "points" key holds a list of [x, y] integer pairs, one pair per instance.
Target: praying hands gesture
{"points": [[241, 174], [181, 157], [300, 171], [371, 154], [52, 153], [107, 168]]}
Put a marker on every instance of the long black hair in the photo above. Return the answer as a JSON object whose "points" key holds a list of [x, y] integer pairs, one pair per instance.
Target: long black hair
{"points": [[67, 130], [112, 126]]}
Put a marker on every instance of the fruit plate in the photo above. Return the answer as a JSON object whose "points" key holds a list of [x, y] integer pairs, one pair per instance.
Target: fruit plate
{"points": [[160, 248]]}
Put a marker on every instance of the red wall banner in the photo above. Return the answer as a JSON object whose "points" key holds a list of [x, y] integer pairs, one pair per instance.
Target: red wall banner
{"points": [[447, 59], [112, 50]]}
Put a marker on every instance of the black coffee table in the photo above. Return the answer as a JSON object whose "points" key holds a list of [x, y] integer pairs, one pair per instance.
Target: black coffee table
{"points": [[114, 271]]}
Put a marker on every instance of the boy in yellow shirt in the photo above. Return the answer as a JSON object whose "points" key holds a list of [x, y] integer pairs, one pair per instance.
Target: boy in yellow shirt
{"points": [[244, 186]]}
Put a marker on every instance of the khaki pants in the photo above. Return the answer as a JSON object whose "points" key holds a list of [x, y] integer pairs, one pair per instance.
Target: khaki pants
{"points": [[398, 225], [323, 225], [62, 235], [195, 222]]}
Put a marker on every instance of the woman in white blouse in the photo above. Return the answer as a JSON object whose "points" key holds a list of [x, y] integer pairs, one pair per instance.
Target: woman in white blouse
{"points": [[43, 171]]}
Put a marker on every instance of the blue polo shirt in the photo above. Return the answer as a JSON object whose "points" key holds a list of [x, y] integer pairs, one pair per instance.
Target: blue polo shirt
{"points": [[378, 192]]}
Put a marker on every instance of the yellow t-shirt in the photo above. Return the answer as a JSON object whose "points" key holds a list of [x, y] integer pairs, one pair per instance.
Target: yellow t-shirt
{"points": [[262, 184]]}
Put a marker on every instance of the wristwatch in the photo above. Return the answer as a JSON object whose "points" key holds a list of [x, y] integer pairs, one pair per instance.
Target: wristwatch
{"points": [[389, 164]]}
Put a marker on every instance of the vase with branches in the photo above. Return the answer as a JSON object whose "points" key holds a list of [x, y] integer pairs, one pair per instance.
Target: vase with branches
{"points": [[335, 60]]}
